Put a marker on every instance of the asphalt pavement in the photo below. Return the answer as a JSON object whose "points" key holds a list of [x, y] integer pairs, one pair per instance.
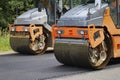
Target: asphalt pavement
{"points": [[105, 74], [14, 66]]}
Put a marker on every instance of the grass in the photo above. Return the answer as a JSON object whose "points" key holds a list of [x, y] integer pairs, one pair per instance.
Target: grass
{"points": [[4, 42]]}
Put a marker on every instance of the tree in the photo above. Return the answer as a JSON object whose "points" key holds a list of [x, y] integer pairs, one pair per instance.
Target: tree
{"points": [[10, 9]]}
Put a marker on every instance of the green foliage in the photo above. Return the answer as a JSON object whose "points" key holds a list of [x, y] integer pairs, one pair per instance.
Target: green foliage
{"points": [[4, 41], [9, 8]]}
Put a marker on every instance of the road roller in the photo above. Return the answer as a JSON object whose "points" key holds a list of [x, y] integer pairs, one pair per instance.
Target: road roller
{"points": [[31, 31], [89, 34]]}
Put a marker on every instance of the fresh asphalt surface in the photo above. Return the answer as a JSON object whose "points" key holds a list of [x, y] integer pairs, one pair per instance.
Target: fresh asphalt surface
{"points": [[41, 67]]}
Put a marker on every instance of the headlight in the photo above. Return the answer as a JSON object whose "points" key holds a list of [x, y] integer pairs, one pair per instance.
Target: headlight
{"points": [[13, 29], [82, 32], [25, 28], [60, 32]]}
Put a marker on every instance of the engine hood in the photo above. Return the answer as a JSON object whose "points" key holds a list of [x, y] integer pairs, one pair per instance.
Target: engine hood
{"points": [[83, 15], [32, 17]]}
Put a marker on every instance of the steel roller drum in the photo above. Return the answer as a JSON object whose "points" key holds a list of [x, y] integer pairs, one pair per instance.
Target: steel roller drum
{"points": [[72, 52], [21, 44]]}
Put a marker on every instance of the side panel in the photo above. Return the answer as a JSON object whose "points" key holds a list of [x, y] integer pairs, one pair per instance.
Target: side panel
{"points": [[116, 44], [108, 22], [114, 31]]}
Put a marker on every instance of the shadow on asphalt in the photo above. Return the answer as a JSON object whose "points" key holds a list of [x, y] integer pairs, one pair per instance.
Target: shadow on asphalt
{"points": [[27, 54], [71, 68], [64, 70], [112, 63]]}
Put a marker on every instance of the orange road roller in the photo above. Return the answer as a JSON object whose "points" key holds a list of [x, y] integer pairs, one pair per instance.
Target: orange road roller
{"points": [[89, 34], [31, 31]]}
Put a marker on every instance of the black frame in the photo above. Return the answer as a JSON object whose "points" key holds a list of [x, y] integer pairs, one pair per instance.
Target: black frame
{"points": [[55, 7], [115, 13], [71, 6]]}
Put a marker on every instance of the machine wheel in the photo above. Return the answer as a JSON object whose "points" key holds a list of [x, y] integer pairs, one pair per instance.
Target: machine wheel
{"points": [[100, 56], [23, 44], [40, 44]]}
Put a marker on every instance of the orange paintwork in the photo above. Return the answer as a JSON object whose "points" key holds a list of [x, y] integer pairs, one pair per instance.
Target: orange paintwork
{"points": [[31, 29], [69, 32], [19, 28], [91, 31], [33, 35], [53, 33], [116, 44], [72, 32], [107, 21]]}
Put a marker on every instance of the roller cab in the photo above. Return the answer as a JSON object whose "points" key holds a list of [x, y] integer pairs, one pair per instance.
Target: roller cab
{"points": [[88, 35]]}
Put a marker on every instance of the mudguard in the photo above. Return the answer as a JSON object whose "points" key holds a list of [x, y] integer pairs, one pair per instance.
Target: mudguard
{"points": [[96, 36]]}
